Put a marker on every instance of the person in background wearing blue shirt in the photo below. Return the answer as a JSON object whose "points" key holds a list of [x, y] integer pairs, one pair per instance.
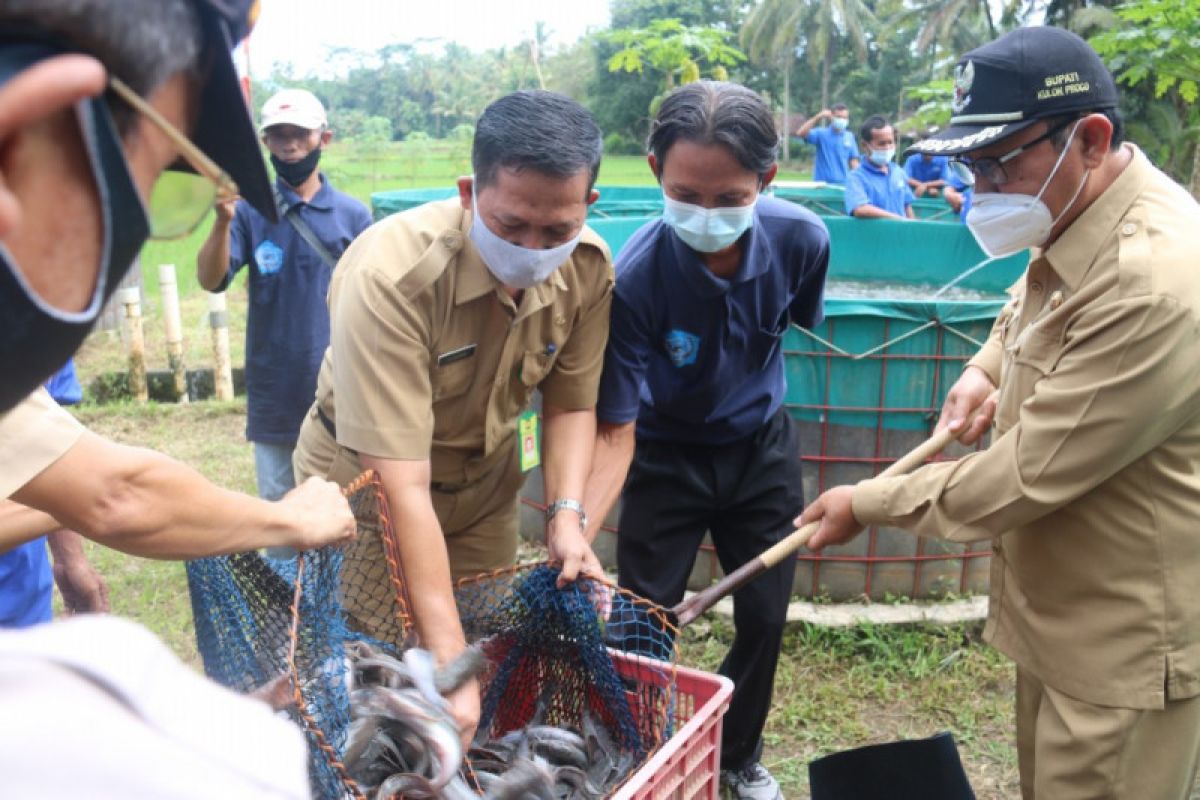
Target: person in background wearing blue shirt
{"points": [[837, 152], [291, 262], [926, 174], [691, 417], [958, 194], [26, 577], [878, 188]]}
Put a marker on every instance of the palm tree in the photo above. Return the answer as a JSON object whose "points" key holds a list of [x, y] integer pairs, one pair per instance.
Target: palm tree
{"points": [[814, 26], [771, 34]]}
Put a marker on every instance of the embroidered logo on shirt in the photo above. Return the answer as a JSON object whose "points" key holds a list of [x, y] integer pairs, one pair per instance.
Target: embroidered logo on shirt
{"points": [[269, 257], [682, 347]]}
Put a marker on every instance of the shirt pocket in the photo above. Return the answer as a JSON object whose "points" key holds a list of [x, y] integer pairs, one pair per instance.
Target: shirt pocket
{"points": [[1027, 360], [451, 380]]}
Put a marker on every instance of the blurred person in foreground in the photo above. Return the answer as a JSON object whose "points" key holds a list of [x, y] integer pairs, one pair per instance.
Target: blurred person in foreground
{"points": [[693, 434], [93, 96], [1090, 489], [444, 319]]}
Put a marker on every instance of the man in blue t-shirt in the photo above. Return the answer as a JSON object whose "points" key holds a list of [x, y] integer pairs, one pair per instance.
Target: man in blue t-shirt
{"points": [[26, 577], [878, 188], [926, 174], [691, 416], [837, 152], [287, 329]]}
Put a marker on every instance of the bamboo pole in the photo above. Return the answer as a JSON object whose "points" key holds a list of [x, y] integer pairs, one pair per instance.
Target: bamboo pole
{"points": [[218, 318], [131, 299], [169, 290]]}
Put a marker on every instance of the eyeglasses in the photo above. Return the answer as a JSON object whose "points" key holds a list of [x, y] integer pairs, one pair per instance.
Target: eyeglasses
{"points": [[179, 201], [992, 169]]}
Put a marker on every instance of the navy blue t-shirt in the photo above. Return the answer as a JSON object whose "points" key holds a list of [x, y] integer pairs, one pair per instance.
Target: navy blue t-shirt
{"points": [[695, 358], [287, 328]]}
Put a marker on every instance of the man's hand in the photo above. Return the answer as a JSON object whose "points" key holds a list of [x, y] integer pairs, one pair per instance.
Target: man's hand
{"points": [[567, 544], [320, 515], [969, 393], [836, 516], [464, 706], [825, 114], [225, 208], [82, 588], [920, 189]]}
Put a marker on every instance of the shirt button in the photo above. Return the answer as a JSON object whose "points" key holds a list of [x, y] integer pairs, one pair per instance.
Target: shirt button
{"points": [[452, 240], [1129, 229], [1035, 287]]}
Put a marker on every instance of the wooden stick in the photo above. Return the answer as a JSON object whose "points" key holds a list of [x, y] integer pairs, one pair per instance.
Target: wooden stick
{"points": [[218, 318], [131, 299], [169, 290], [705, 599]]}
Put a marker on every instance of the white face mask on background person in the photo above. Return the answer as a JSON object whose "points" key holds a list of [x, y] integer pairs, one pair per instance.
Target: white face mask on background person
{"points": [[1006, 223], [707, 230], [882, 157], [515, 266], [839, 123]]}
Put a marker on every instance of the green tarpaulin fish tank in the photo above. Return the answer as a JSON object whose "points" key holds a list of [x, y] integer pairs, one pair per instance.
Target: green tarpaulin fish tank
{"points": [[908, 302]]}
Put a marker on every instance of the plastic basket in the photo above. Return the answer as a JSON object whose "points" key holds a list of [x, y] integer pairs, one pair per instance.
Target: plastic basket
{"points": [[688, 765]]}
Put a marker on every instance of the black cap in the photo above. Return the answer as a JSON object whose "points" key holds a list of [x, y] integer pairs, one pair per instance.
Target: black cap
{"points": [[1025, 75], [224, 129]]}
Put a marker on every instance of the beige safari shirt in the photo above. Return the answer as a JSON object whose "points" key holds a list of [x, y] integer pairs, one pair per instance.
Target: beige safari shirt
{"points": [[33, 436], [1091, 486], [430, 358]]}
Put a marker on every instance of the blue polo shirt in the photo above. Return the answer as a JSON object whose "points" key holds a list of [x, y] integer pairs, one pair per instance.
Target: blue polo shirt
{"points": [[870, 184], [287, 328], [695, 358], [925, 171], [834, 151], [967, 193]]}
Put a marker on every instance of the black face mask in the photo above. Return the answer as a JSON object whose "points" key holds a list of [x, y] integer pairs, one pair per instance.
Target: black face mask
{"points": [[35, 338], [297, 172]]}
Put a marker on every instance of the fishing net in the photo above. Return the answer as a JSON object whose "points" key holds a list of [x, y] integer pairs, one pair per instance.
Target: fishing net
{"points": [[558, 655], [562, 657], [258, 618]]}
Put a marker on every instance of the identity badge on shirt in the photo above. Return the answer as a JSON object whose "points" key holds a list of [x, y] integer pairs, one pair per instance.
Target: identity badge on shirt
{"points": [[527, 433]]}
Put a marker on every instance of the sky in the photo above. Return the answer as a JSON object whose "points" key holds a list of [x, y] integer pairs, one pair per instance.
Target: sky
{"points": [[302, 32]]}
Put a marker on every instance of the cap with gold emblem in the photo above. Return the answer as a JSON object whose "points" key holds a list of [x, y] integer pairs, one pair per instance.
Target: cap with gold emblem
{"points": [[1025, 75]]}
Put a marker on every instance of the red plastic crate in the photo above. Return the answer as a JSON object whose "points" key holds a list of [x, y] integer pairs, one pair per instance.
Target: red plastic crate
{"points": [[688, 765]]}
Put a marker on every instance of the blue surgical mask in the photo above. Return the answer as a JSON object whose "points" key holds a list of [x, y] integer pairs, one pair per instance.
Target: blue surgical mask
{"points": [[839, 123], [707, 230], [882, 157], [514, 266], [35, 337]]}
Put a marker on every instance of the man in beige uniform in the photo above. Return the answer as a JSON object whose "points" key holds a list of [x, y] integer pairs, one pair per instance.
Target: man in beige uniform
{"points": [[77, 169], [1091, 486], [444, 319]]}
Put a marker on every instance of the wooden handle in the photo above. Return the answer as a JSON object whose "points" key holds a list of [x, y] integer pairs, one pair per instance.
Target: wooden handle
{"points": [[705, 599]]}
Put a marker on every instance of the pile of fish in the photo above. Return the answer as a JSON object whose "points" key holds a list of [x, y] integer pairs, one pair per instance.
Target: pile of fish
{"points": [[403, 739], [551, 763]]}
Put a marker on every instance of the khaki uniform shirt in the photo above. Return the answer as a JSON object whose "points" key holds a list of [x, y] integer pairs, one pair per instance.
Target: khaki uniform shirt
{"points": [[33, 436], [1091, 486], [430, 358]]}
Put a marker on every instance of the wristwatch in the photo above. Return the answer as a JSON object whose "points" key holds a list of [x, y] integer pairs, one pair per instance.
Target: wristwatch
{"points": [[567, 503]]}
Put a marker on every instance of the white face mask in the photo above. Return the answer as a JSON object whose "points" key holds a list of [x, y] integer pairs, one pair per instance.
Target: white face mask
{"points": [[514, 266], [881, 157], [1004, 223], [707, 229]]}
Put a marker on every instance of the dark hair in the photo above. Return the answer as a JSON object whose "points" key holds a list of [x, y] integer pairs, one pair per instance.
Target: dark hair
{"points": [[1059, 139], [716, 112], [871, 124], [838, 107], [539, 130], [142, 42]]}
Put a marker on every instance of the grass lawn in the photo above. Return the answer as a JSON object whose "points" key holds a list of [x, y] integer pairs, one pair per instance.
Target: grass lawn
{"points": [[836, 688]]}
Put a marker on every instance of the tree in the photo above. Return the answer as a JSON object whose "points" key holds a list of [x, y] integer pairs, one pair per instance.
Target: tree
{"points": [[1158, 41], [771, 36], [679, 53]]}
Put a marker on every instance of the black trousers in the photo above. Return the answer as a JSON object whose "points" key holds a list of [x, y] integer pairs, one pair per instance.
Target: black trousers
{"points": [[746, 494]]}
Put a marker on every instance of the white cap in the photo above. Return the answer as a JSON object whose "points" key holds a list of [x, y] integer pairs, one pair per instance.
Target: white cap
{"points": [[293, 107]]}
